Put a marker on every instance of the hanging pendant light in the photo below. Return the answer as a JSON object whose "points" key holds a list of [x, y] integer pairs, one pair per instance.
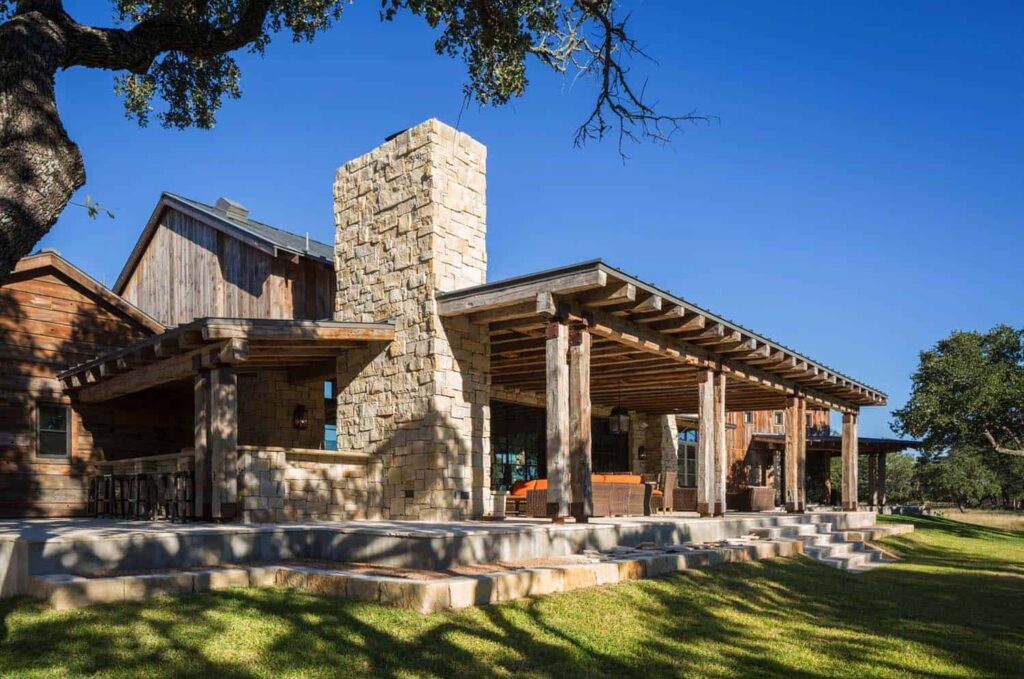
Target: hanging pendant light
{"points": [[618, 421]]}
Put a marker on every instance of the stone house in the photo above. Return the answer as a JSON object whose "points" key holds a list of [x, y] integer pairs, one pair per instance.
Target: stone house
{"points": [[386, 377]]}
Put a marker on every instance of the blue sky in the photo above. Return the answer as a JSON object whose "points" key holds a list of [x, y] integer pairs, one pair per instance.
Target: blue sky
{"points": [[859, 196]]}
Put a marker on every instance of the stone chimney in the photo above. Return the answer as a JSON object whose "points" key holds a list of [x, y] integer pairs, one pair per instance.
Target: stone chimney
{"points": [[411, 223]]}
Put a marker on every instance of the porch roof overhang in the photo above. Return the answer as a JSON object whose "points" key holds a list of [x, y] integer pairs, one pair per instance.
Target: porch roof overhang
{"points": [[648, 344], [307, 349], [834, 444]]}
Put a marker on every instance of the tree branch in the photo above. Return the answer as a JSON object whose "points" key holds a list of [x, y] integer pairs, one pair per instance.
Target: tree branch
{"points": [[135, 49], [1002, 449]]}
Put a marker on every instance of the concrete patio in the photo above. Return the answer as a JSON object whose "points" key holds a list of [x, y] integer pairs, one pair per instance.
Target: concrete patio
{"points": [[84, 547]]}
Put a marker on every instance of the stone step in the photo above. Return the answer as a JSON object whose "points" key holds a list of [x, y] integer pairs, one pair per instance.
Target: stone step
{"points": [[65, 591], [428, 594]]}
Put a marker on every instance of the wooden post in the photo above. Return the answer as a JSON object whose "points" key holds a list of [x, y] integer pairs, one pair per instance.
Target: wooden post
{"points": [[880, 471], [792, 462], [224, 442], [721, 452], [705, 442], [579, 423], [201, 428], [873, 480], [801, 454], [557, 347], [850, 503]]}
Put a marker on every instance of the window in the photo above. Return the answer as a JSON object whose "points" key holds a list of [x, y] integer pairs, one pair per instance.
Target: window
{"points": [[779, 417], [687, 459], [808, 423], [52, 430], [330, 438], [748, 417]]}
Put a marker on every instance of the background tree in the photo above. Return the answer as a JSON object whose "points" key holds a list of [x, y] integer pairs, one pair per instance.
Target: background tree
{"points": [[901, 485], [961, 477], [178, 52], [969, 391]]}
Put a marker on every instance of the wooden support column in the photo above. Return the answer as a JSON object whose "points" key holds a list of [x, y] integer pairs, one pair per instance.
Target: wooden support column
{"points": [[721, 452], [801, 434], [556, 350], [201, 428], [791, 460], [579, 423], [224, 442], [880, 479], [850, 503], [873, 480], [705, 442]]}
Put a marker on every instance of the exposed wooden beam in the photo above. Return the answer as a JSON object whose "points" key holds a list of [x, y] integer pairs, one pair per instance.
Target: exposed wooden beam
{"points": [[514, 294], [169, 370], [615, 293]]}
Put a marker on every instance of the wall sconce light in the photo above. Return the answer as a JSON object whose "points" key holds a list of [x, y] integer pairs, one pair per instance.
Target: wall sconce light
{"points": [[641, 453], [300, 417]]}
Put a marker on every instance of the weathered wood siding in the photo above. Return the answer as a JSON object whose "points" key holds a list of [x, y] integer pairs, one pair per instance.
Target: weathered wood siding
{"points": [[190, 270], [747, 463], [47, 323]]}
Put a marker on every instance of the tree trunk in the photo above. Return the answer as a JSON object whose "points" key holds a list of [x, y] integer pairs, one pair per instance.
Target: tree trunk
{"points": [[40, 167]]}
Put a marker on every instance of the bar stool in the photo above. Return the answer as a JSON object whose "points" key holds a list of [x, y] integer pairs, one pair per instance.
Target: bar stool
{"points": [[104, 489], [182, 502], [90, 501]]}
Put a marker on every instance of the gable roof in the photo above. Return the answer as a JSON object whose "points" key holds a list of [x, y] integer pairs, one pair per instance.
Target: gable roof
{"points": [[51, 259], [236, 224]]}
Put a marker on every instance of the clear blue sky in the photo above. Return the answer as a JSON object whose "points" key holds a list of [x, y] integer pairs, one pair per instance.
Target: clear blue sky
{"points": [[860, 196]]}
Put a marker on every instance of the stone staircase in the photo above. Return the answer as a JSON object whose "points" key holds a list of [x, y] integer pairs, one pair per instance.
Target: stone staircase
{"points": [[845, 550]]}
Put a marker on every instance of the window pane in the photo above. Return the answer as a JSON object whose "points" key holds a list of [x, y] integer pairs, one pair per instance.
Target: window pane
{"points": [[53, 443], [52, 430], [53, 418], [330, 437]]}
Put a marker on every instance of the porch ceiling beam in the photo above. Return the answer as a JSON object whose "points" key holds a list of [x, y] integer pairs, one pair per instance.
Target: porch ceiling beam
{"points": [[667, 313], [216, 330], [635, 335], [169, 370], [593, 286], [561, 285], [688, 323], [614, 293]]}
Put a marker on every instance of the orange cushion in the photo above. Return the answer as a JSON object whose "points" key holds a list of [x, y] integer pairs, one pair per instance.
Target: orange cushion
{"points": [[597, 478], [624, 478], [540, 484], [518, 489], [656, 493]]}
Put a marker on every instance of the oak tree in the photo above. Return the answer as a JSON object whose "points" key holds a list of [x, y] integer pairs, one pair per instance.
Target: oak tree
{"points": [[174, 63], [969, 391]]}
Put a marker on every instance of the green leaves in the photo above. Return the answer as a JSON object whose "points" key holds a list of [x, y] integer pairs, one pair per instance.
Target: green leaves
{"points": [[94, 209], [193, 83], [969, 383]]}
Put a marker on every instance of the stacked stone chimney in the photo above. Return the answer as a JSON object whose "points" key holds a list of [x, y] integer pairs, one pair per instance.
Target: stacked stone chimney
{"points": [[411, 223]]}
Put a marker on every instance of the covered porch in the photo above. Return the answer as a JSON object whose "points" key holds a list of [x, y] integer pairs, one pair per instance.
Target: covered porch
{"points": [[589, 339], [244, 410], [822, 450]]}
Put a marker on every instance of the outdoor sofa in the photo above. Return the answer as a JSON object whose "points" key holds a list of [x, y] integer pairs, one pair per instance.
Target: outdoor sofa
{"points": [[613, 495]]}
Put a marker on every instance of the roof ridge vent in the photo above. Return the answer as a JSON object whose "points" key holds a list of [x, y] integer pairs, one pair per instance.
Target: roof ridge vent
{"points": [[233, 209]]}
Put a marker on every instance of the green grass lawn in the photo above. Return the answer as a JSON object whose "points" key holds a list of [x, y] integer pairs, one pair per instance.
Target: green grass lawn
{"points": [[954, 607]]}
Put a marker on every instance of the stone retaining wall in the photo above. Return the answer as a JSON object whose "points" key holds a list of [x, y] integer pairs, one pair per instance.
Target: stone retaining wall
{"points": [[281, 485]]}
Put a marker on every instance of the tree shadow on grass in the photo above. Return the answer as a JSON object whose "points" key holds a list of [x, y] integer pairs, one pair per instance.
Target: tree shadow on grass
{"points": [[786, 617]]}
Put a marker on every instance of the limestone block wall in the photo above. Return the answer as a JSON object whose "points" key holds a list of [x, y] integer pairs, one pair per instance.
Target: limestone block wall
{"points": [[661, 442], [266, 407], [278, 485], [411, 223]]}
